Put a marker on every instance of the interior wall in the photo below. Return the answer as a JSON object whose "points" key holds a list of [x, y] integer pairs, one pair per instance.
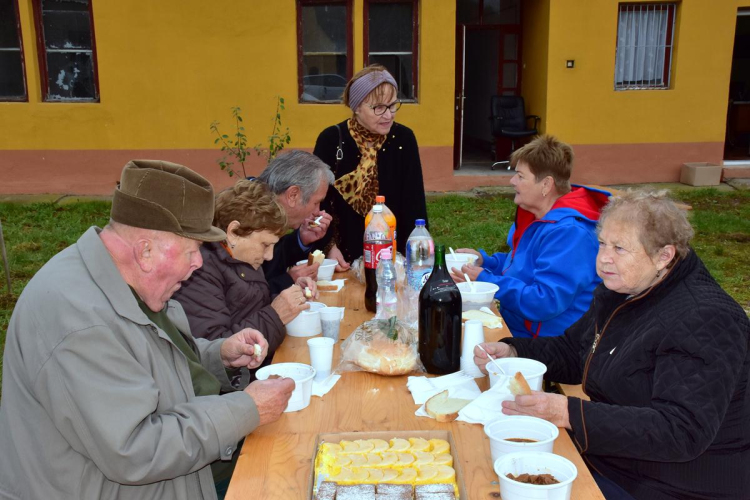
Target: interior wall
{"points": [[481, 63]]}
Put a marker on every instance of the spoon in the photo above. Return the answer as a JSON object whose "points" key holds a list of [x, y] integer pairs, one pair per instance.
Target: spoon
{"points": [[471, 283], [452, 252], [500, 368]]}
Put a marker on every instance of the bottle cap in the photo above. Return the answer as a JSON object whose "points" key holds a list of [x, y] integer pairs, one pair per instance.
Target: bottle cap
{"points": [[419, 222], [380, 199]]}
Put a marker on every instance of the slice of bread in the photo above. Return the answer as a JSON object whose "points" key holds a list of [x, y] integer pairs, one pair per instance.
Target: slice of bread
{"points": [[488, 320], [316, 257], [443, 408], [326, 286], [518, 385]]}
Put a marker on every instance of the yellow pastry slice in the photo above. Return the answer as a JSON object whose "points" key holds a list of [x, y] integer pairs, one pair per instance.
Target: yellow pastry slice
{"points": [[426, 474], [357, 476], [443, 459], [407, 476], [349, 447], [405, 459], [419, 444], [373, 459], [423, 458], [343, 476], [357, 460], [388, 475], [342, 461], [331, 448], [445, 474], [379, 445], [374, 475], [439, 446], [365, 446], [398, 444], [389, 458]]}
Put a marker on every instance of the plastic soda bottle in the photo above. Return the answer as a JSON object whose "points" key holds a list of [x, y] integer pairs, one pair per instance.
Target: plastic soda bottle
{"points": [[420, 256], [389, 218], [376, 241], [387, 303]]}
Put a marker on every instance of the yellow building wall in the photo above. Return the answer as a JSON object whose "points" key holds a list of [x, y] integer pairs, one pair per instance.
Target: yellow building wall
{"points": [[167, 69], [535, 56], [584, 108]]}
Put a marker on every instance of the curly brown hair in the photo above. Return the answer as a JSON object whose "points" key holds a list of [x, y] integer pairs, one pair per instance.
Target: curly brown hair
{"points": [[253, 205], [547, 156]]}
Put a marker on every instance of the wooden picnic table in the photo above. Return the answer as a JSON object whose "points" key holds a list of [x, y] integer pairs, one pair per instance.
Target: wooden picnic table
{"points": [[276, 459]]}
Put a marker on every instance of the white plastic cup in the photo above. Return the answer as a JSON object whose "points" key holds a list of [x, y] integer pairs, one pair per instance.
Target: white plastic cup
{"points": [[531, 462], [321, 356], [330, 321], [520, 427], [303, 379], [470, 368], [473, 335], [533, 371]]}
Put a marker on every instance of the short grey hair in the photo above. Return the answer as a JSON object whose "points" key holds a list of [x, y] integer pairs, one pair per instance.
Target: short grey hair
{"points": [[658, 219], [296, 168]]}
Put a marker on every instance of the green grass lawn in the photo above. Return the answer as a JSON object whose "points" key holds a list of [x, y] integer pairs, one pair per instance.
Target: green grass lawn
{"points": [[36, 232]]}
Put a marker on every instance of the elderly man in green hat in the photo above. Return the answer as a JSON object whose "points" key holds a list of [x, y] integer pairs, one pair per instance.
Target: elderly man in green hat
{"points": [[106, 394]]}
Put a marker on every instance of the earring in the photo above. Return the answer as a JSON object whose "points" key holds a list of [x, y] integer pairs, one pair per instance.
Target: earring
{"points": [[232, 245], [658, 273]]}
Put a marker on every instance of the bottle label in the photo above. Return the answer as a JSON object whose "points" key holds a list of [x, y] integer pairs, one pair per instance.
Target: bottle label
{"points": [[373, 251], [418, 277], [440, 287]]}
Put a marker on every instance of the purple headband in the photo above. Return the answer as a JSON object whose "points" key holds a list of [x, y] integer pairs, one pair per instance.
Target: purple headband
{"points": [[362, 87]]}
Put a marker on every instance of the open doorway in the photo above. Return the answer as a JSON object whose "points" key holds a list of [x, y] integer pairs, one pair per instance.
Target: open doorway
{"points": [[488, 62], [737, 144]]}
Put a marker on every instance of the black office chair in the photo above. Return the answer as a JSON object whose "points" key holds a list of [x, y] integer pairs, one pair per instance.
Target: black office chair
{"points": [[508, 119]]}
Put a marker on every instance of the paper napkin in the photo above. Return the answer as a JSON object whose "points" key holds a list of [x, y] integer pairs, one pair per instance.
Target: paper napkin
{"points": [[488, 406], [321, 388]]}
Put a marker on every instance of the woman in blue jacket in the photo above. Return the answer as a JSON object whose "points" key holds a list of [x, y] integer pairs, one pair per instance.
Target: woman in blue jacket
{"points": [[547, 279]]}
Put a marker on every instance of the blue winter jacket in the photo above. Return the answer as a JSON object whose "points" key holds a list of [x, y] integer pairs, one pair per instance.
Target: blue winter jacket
{"points": [[547, 279]]}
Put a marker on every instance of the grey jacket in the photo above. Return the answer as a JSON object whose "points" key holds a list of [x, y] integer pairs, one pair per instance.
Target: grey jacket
{"points": [[98, 402]]}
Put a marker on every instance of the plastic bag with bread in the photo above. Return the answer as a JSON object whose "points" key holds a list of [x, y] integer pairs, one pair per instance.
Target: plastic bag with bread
{"points": [[386, 347]]}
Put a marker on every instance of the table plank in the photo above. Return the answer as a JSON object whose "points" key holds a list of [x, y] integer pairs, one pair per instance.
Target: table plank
{"points": [[276, 459]]}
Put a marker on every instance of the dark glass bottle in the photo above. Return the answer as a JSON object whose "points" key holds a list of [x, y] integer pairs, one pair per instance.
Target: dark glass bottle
{"points": [[440, 320]]}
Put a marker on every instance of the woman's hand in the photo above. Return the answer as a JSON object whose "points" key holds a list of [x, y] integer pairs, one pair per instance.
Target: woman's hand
{"points": [[289, 303], [550, 407], [308, 284], [479, 260], [335, 254], [471, 271], [496, 350]]}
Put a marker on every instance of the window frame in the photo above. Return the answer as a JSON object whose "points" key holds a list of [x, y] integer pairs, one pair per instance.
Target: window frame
{"points": [[25, 96], [300, 54], [414, 42], [42, 55], [666, 72]]}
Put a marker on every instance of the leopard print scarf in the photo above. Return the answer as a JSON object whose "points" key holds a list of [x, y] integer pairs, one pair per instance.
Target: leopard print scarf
{"points": [[360, 186]]}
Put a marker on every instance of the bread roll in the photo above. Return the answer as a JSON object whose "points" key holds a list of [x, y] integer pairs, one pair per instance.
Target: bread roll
{"points": [[518, 385], [387, 357]]}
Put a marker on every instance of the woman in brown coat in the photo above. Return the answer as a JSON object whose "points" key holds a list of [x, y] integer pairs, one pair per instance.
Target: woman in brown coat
{"points": [[229, 292]]}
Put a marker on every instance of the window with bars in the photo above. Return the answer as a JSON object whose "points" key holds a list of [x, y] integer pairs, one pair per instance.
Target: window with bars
{"points": [[645, 43], [324, 41], [391, 31], [66, 45], [12, 77]]}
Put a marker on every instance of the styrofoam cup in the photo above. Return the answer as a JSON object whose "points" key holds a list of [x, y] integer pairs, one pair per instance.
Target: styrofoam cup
{"points": [[470, 368], [321, 356], [473, 335], [533, 371], [303, 378], [330, 321], [535, 462], [307, 323], [520, 427]]}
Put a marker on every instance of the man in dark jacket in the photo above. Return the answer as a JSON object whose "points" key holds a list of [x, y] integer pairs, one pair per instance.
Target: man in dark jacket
{"points": [[300, 181]]}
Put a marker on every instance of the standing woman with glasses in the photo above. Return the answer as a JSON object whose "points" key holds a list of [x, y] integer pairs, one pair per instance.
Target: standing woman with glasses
{"points": [[370, 154]]}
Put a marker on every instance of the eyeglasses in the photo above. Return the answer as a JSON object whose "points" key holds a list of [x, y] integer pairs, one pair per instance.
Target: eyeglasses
{"points": [[380, 108]]}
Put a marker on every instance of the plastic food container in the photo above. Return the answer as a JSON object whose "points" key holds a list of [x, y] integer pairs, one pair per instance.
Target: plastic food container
{"points": [[541, 432], [533, 371], [325, 271], [307, 323], [535, 462], [459, 259], [303, 379], [482, 295]]}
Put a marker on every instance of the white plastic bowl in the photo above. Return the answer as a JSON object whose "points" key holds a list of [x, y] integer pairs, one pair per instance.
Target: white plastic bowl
{"points": [[459, 259], [325, 271], [520, 427], [482, 295], [535, 462], [303, 379], [307, 323], [533, 371]]}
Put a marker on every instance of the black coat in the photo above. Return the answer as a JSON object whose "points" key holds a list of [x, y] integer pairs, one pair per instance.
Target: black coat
{"points": [[286, 253], [669, 415], [227, 295], [399, 178]]}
